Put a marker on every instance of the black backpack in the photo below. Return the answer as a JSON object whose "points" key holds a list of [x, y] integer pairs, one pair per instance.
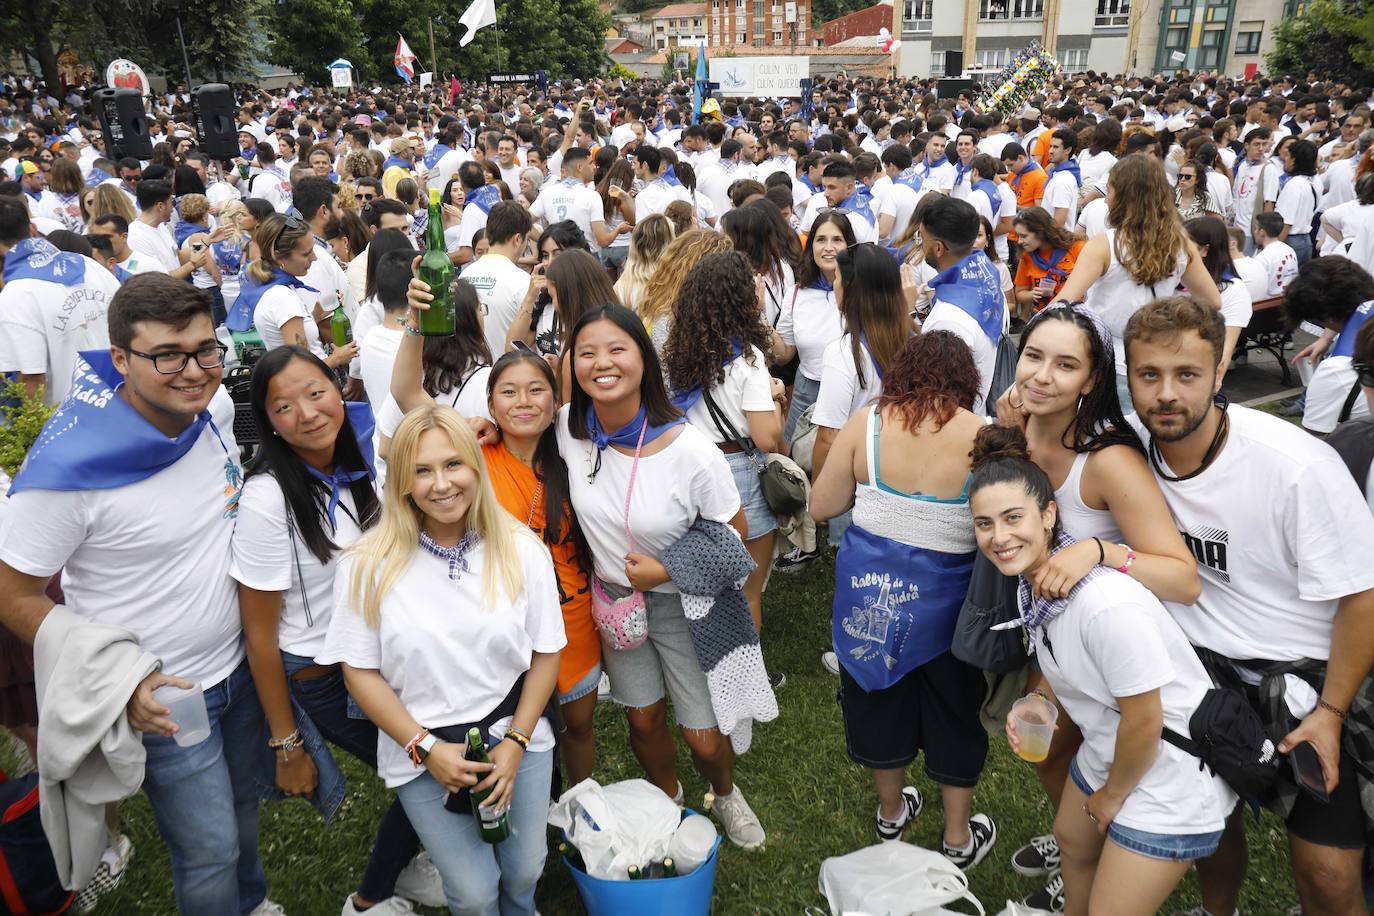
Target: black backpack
{"points": [[1230, 739], [991, 600]]}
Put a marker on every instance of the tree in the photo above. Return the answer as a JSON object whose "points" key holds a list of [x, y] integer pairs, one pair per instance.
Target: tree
{"points": [[822, 11], [1330, 37], [306, 35]]}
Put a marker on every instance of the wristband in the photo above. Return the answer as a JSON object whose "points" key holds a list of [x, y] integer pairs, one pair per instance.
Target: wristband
{"points": [[410, 746], [286, 745], [1130, 559], [518, 737], [1101, 552], [1338, 713]]}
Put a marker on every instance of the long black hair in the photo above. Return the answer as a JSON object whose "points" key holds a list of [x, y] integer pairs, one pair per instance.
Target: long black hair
{"points": [[807, 271], [653, 394], [385, 240], [1099, 421], [306, 496], [450, 360], [560, 524]]}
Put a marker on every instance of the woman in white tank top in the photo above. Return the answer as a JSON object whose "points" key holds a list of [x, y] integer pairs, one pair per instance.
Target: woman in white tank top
{"points": [[1065, 394]]}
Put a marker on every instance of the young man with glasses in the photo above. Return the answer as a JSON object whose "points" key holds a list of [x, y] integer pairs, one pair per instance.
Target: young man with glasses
{"points": [[135, 502], [52, 305]]}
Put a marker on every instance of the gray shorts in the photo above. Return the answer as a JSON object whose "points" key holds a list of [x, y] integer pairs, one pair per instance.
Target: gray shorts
{"points": [[668, 657]]}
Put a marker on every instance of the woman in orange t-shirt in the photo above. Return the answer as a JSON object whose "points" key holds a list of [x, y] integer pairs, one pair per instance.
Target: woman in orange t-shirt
{"points": [[529, 477], [1049, 253]]}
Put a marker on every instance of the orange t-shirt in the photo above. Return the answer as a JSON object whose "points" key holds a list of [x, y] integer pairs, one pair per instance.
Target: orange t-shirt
{"points": [[1028, 273], [1028, 187], [1041, 152], [515, 485]]}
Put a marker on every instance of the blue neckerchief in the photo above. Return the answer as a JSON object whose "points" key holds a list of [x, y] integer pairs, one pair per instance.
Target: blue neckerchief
{"points": [[960, 170], [860, 202], [96, 441], [1345, 341], [121, 274], [1029, 167], [433, 156], [627, 435], [364, 425], [822, 284], [398, 162], [863, 342], [34, 194], [1049, 265], [1070, 166], [485, 197], [1283, 179], [988, 187], [240, 317], [972, 286], [39, 259], [686, 399], [669, 177], [807, 182], [911, 178], [184, 230], [97, 177]]}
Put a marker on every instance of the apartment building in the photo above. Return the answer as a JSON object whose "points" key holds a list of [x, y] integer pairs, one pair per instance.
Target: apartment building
{"points": [[760, 23], [678, 24]]}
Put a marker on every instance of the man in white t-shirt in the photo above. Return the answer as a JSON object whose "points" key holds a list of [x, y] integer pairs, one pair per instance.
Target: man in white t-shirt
{"points": [[973, 307], [903, 190], [52, 306], [501, 285], [135, 503], [508, 163], [1061, 189], [655, 192], [480, 200], [1279, 261], [150, 235], [1256, 176], [1250, 271], [572, 198], [1286, 610], [842, 191], [965, 148], [714, 181]]}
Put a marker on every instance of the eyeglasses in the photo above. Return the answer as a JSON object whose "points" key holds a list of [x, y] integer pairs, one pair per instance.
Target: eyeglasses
{"points": [[367, 198], [1183, 177], [1365, 372], [171, 362]]}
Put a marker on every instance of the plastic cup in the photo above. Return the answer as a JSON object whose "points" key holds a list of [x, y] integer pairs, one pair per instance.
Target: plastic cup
{"points": [[187, 711], [1034, 717]]}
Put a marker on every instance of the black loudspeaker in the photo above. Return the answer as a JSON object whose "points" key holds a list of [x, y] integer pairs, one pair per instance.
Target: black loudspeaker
{"points": [[213, 105], [950, 88], [954, 63], [124, 123]]}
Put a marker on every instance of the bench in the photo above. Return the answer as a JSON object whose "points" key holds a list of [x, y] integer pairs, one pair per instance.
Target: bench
{"points": [[1268, 331]]}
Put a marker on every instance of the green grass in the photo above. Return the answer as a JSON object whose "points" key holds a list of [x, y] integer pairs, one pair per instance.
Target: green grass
{"points": [[813, 802]]}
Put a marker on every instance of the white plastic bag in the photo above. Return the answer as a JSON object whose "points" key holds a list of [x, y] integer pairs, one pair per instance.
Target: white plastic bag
{"points": [[1020, 909], [894, 879], [616, 826]]}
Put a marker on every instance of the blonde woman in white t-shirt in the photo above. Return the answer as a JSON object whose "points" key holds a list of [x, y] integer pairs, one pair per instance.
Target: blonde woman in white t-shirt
{"points": [[447, 617]]}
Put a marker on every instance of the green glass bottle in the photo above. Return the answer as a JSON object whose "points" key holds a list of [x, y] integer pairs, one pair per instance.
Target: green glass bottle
{"points": [[492, 827], [340, 326], [634, 873], [570, 852], [436, 270], [669, 869]]}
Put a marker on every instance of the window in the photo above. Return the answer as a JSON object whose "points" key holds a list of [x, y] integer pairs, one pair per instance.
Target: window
{"points": [[993, 58], [1176, 38], [740, 38], [777, 36], [1010, 9], [917, 15], [1073, 60], [1248, 42], [1113, 13], [937, 63]]}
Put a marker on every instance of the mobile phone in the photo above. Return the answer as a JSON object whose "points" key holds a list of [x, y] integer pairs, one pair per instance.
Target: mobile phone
{"points": [[1307, 771], [522, 346]]}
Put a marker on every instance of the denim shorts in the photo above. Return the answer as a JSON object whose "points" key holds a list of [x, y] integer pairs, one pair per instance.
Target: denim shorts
{"points": [[1170, 847], [761, 519], [577, 691]]}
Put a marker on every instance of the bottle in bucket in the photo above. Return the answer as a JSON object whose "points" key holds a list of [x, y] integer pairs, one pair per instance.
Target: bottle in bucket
{"points": [[634, 873], [493, 826], [341, 327], [437, 271], [669, 869]]}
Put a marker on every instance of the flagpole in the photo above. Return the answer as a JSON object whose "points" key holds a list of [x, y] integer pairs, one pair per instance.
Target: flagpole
{"points": [[433, 57]]}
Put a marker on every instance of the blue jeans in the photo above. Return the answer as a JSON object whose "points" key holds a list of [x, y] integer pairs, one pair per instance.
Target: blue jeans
{"points": [[1301, 245], [804, 392], [1170, 847], [481, 879], [325, 701], [206, 806]]}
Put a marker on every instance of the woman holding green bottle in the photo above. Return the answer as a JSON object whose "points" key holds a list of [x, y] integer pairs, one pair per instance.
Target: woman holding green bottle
{"points": [[426, 671]]}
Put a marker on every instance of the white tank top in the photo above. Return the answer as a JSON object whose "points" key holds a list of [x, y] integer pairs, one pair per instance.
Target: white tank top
{"points": [[1077, 517], [1116, 295]]}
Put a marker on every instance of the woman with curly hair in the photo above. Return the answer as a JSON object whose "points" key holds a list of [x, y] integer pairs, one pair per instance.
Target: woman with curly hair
{"points": [[1143, 256], [903, 465], [681, 255], [649, 240], [358, 164], [715, 366], [1048, 255]]}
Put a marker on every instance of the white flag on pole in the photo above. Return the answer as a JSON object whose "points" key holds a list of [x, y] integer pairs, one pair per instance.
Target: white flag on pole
{"points": [[479, 14]]}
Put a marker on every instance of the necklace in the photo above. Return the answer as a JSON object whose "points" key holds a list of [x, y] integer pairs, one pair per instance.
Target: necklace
{"points": [[1218, 439], [538, 489]]}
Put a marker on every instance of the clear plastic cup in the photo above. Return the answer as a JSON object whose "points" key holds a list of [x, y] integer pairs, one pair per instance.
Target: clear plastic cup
{"points": [[187, 708], [1034, 718]]}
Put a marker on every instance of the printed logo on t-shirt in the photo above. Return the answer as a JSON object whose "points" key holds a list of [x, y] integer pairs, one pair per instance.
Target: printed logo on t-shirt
{"points": [[233, 487], [1209, 549]]}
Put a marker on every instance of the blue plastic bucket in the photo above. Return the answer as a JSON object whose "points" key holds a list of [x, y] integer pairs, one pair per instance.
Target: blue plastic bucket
{"points": [[685, 895]]}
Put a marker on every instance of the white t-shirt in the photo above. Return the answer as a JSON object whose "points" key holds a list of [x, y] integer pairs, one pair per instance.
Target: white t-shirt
{"points": [[469, 399], [810, 321], [1273, 570], [1115, 640], [43, 325], [993, 144], [1061, 192], [269, 555], [746, 388], [841, 395], [1326, 393], [1280, 265], [474, 218], [153, 244], [1093, 168], [946, 317], [501, 287], [655, 197], [327, 276], [1253, 274], [714, 182], [152, 556], [899, 202], [449, 657], [278, 306], [376, 356], [689, 479], [1247, 186], [569, 199], [1236, 305], [1092, 219], [1006, 211], [1298, 203]]}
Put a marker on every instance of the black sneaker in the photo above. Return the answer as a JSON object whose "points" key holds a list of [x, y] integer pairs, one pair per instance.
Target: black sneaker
{"points": [[1049, 898], [1038, 857], [776, 680], [912, 804], [794, 560], [984, 833]]}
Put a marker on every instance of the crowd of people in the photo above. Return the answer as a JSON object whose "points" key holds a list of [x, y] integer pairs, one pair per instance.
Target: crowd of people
{"points": [[978, 343]]}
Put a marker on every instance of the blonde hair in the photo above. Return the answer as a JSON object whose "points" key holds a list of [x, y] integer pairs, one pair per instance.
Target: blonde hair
{"points": [[1150, 237], [681, 255], [348, 197], [272, 237], [194, 207], [110, 199], [651, 236], [230, 213], [384, 553]]}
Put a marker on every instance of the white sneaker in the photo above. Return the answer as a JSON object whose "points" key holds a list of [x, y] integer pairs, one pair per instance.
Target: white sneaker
{"points": [[603, 689], [739, 820], [108, 874], [268, 908], [831, 663], [391, 906], [420, 881]]}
